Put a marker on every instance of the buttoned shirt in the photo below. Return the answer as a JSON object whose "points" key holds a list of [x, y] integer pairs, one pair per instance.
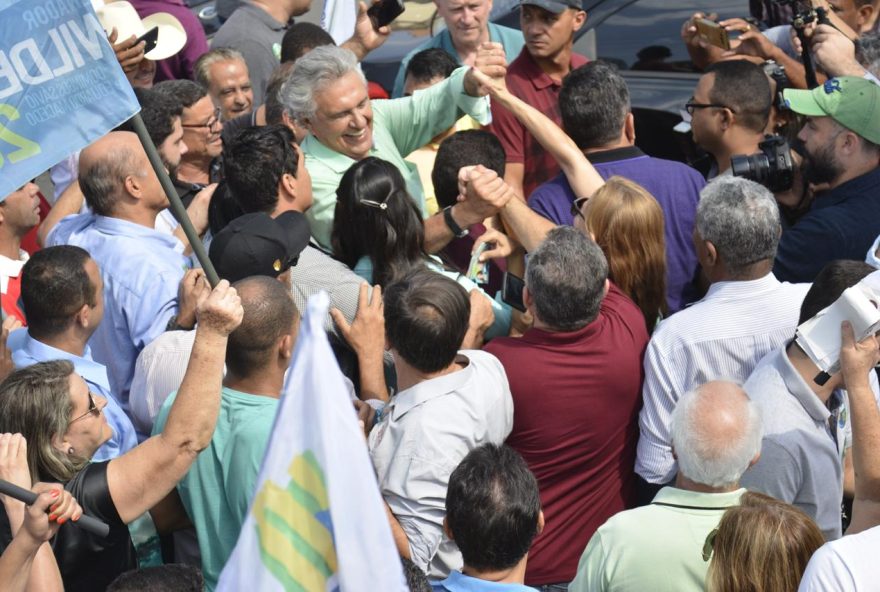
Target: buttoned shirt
{"points": [[804, 442], [657, 547], [27, 351], [723, 336], [399, 127], [458, 582], [424, 433], [511, 39], [141, 269]]}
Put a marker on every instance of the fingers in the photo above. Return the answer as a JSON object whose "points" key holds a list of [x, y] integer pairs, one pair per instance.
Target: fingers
{"points": [[11, 324], [341, 322], [376, 300]]}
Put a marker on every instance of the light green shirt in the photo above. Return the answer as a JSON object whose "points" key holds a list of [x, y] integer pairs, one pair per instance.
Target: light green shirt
{"points": [[655, 547], [400, 126], [218, 487]]}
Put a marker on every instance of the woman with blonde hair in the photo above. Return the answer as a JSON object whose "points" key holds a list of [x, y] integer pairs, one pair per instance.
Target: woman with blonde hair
{"points": [[627, 224], [762, 545]]}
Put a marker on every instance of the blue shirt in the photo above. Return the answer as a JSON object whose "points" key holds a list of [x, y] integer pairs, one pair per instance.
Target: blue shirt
{"points": [[141, 269], [458, 582], [511, 39], [842, 224], [27, 351], [674, 185]]}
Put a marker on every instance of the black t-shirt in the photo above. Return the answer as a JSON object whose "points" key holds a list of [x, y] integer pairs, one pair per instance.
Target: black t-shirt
{"points": [[87, 562]]}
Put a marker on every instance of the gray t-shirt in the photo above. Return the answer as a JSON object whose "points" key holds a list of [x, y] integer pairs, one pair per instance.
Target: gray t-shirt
{"points": [[253, 32], [804, 442]]}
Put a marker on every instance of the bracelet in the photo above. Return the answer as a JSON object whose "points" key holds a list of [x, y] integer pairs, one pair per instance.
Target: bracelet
{"points": [[457, 230]]}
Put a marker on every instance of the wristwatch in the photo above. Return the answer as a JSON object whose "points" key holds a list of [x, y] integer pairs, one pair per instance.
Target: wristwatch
{"points": [[457, 230]]}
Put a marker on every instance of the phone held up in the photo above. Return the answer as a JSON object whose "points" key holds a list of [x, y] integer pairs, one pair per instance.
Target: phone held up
{"points": [[713, 32], [150, 39], [384, 12], [512, 291]]}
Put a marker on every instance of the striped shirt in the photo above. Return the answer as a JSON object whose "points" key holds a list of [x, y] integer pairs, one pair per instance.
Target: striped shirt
{"points": [[723, 336]]}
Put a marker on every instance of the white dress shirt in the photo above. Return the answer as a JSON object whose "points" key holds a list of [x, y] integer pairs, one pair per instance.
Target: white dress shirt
{"points": [[723, 336]]}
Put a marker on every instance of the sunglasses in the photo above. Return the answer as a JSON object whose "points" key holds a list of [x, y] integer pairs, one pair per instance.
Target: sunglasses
{"points": [[709, 545], [692, 106], [93, 409], [576, 207]]}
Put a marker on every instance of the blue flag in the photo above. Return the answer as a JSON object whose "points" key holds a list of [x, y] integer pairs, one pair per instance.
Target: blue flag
{"points": [[61, 87], [316, 522]]}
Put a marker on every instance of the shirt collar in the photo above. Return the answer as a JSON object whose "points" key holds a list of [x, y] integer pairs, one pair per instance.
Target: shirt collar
{"points": [[91, 371], [264, 17], [335, 161], [698, 499], [458, 582], [863, 185], [9, 268], [432, 388], [533, 72], [737, 290], [798, 388], [615, 154]]}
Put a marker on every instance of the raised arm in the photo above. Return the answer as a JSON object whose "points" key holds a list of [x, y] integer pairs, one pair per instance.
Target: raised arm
{"points": [[142, 477]]}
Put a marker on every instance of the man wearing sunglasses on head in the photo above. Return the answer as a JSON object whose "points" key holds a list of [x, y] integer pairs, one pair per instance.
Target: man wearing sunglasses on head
{"points": [[729, 111]]}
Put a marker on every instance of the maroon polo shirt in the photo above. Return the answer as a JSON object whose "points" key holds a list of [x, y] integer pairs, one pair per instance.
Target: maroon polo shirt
{"points": [[526, 80], [576, 401]]}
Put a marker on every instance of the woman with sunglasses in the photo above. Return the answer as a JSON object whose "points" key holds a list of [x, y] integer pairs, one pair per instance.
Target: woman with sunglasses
{"points": [[379, 233], [63, 425]]}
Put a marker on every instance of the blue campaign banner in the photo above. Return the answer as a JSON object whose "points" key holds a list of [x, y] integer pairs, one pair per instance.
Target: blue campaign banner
{"points": [[61, 87]]}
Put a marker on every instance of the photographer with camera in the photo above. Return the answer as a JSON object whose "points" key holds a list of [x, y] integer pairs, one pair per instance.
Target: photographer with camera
{"points": [[841, 145], [729, 111]]}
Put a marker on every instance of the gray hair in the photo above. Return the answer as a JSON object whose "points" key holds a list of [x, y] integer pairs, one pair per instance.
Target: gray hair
{"points": [[868, 52], [566, 277], [716, 432], [202, 68], [102, 180], [741, 218], [312, 72]]}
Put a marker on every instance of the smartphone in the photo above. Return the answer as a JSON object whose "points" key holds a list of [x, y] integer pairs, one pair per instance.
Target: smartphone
{"points": [[512, 291], [150, 39], [713, 32], [384, 11]]}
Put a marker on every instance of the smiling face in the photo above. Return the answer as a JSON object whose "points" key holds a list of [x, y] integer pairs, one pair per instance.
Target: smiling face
{"points": [[343, 119], [231, 88], [201, 129]]}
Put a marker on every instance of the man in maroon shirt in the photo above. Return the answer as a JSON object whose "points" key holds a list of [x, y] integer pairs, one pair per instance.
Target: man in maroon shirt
{"points": [[576, 380], [536, 77]]}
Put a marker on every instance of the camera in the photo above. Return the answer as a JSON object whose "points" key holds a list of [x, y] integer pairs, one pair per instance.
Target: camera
{"points": [[772, 167]]}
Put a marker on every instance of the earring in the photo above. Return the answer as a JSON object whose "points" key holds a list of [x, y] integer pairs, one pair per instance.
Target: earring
{"points": [[70, 450]]}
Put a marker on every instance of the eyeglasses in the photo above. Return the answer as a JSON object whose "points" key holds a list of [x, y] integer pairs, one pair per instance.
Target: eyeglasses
{"points": [[576, 206], [709, 545], [215, 119], [93, 409], [691, 106]]}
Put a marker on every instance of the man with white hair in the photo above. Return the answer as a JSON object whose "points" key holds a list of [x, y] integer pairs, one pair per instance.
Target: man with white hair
{"points": [[224, 74], [716, 434], [327, 95], [746, 314]]}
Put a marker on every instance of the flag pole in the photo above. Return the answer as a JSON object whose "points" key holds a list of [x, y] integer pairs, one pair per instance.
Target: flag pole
{"points": [[175, 205]]}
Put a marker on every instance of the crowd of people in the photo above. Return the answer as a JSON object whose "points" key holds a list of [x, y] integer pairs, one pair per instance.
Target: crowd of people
{"points": [[636, 413]]}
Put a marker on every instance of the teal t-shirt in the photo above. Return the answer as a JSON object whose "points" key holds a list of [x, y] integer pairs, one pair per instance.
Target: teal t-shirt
{"points": [[218, 487]]}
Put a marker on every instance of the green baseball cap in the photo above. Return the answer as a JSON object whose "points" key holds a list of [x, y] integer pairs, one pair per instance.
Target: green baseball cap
{"points": [[852, 102]]}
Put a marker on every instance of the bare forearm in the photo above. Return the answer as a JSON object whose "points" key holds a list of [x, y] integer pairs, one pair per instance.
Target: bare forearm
{"points": [[529, 227], [26, 564], [400, 540], [372, 377], [70, 202], [581, 175], [866, 441]]}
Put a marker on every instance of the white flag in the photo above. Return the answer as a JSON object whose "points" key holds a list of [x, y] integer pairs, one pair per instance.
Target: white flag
{"points": [[338, 19], [317, 522]]}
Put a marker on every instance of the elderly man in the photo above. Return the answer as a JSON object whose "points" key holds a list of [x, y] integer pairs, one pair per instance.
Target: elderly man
{"points": [[467, 26], [63, 296], [327, 94], [140, 267], [806, 456], [588, 339], [448, 403], [224, 74], [535, 76], [595, 107], [841, 139], [746, 314], [716, 432]]}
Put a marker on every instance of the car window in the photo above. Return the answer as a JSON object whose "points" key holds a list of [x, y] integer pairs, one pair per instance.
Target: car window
{"points": [[646, 35]]}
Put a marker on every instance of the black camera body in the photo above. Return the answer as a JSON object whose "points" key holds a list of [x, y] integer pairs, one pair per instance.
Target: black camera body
{"points": [[772, 167]]}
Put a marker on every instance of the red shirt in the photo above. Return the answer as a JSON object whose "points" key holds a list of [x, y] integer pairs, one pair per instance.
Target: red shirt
{"points": [[526, 80], [576, 401]]}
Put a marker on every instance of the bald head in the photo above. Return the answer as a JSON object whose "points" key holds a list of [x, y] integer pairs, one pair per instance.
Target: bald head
{"points": [[269, 315], [106, 165], [716, 433]]}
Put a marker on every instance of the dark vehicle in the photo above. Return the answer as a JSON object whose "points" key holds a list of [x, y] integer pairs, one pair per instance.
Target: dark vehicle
{"points": [[641, 36]]}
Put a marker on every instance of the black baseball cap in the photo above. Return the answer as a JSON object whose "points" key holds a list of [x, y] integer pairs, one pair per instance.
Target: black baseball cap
{"points": [[554, 6], [257, 244]]}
